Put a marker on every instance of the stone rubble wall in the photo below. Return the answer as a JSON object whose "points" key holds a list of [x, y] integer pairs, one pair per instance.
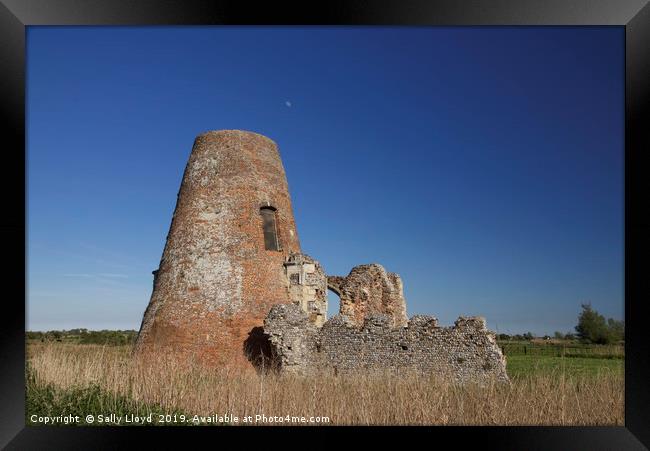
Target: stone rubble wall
{"points": [[370, 289], [466, 352]]}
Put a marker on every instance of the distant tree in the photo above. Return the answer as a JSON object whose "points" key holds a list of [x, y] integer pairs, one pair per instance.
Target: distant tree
{"points": [[593, 328], [109, 337], [518, 337], [616, 330], [558, 335], [569, 336], [504, 337], [528, 336]]}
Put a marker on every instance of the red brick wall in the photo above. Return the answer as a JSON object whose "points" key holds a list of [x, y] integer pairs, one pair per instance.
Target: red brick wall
{"points": [[216, 281]]}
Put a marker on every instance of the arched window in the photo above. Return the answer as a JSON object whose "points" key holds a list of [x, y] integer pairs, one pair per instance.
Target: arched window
{"points": [[269, 226]]}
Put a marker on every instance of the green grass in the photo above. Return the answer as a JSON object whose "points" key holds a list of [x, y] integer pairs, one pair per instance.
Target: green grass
{"points": [[524, 365], [569, 358], [45, 400], [565, 349]]}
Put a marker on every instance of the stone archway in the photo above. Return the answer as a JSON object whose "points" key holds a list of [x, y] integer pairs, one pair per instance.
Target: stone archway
{"points": [[334, 290], [334, 284], [333, 302], [370, 289], [334, 295]]}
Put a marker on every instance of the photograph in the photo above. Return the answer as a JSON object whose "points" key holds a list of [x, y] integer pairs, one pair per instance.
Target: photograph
{"points": [[325, 225]]}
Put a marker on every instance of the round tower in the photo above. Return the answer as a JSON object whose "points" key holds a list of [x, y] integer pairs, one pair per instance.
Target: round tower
{"points": [[222, 268]]}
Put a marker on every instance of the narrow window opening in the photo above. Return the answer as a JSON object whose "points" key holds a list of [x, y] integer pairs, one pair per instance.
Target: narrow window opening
{"points": [[269, 225]]}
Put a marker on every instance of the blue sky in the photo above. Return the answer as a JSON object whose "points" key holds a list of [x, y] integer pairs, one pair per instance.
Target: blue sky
{"points": [[482, 164]]}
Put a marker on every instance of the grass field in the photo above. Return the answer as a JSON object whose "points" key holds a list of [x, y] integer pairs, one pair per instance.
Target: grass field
{"points": [[521, 365], [570, 359], [73, 379]]}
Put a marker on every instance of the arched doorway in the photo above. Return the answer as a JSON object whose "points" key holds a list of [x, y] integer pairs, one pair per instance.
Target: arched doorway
{"points": [[333, 302]]}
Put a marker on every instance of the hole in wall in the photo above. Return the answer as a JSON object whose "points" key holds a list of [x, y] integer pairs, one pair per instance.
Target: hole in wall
{"points": [[259, 351], [333, 304]]}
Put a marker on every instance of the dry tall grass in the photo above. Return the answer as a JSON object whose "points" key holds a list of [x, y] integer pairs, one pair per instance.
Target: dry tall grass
{"points": [[549, 399]]}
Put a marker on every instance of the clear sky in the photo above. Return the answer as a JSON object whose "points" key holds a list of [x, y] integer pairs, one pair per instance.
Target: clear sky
{"points": [[482, 164]]}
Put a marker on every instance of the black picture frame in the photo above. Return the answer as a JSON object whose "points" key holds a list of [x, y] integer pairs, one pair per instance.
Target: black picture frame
{"points": [[634, 15]]}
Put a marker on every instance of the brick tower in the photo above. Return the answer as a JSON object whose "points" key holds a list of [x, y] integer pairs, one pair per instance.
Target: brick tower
{"points": [[223, 266]]}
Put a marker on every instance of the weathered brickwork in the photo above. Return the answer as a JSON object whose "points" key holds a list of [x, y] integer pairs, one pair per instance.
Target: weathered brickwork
{"points": [[216, 280], [367, 290], [466, 352]]}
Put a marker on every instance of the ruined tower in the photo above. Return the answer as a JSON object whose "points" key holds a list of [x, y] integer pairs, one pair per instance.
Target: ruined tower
{"points": [[224, 265]]}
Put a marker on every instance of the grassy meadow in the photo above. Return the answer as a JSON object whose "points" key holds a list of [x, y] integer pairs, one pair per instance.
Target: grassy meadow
{"points": [[549, 386], [571, 359]]}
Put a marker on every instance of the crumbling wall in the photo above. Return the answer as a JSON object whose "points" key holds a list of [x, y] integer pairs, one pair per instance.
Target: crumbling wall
{"points": [[466, 352], [307, 284], [368, 290]]}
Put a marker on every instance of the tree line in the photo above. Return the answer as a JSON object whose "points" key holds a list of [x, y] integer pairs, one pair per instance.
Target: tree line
{"points": [[592, 327], [85, 336]]}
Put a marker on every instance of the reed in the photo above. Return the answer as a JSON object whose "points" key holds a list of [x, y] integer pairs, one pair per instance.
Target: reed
{"points": [[551, 398]]}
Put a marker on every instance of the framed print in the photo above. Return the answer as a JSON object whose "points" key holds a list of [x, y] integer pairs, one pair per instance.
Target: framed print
{"points": [[380, 216]]}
